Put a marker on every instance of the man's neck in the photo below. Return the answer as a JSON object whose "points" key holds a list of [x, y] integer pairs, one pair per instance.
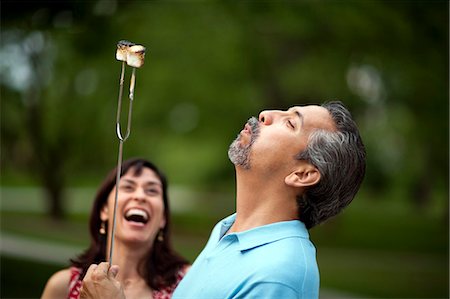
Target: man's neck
{"points": [[260, 202]]}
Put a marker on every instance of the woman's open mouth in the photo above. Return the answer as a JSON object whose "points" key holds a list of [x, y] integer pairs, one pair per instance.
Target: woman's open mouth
{"points": [[137, 216]]}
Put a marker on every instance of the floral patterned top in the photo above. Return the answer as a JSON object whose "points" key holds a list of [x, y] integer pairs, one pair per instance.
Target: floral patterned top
{"points": [[75, 285]]}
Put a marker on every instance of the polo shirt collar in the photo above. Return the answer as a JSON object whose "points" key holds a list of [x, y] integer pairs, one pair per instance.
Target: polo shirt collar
{"points": [[265, 234]]}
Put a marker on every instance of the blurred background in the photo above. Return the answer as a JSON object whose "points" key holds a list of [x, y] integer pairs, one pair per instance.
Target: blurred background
{"points": [[209, 66]]}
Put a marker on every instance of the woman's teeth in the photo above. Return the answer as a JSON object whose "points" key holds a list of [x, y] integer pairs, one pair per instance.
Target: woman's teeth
{"points": [[136, 215]]}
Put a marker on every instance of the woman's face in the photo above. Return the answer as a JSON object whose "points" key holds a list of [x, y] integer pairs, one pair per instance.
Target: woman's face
{"points": [[140, 208]]}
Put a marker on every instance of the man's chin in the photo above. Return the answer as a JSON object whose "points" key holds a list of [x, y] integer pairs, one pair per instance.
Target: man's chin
{"points": [[239, 161], [238, 153]]}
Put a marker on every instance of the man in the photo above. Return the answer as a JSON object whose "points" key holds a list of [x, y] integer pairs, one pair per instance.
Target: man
{"points": [[294, 170]]}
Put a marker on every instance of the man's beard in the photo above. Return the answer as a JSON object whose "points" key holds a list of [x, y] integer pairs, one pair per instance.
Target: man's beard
{"points": [[240, 154]]}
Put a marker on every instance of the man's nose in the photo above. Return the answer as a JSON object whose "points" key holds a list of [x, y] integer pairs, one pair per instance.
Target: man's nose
{"points": [[267, 117]]}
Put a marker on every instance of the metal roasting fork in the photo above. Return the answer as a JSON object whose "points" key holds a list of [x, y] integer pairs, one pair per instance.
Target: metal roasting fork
{"points": [[122, 138]]}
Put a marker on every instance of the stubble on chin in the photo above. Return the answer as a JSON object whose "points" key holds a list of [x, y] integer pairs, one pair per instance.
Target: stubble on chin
{"points": [[238, 153]]}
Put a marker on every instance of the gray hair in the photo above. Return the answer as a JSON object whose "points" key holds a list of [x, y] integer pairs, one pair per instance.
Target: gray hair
{"points": [[340, 157]]}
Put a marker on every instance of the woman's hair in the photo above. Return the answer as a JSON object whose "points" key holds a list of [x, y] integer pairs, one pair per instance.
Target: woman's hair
{"points": [[340, 157], [162, 262]]}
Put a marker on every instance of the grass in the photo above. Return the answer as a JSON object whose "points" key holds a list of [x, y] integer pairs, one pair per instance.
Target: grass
{"points": [[373, 250], [37, 226], [385, 250], [23, 278], [385, 274], [374, 226]]}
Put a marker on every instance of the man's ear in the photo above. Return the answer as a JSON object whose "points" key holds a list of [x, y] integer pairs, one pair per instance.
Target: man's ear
{"points": [[104, 213], [305, 175]]}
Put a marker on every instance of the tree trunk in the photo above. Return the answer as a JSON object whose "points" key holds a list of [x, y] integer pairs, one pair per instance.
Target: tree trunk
{"points": [[48, 157], [53, 180], [55, 197]]}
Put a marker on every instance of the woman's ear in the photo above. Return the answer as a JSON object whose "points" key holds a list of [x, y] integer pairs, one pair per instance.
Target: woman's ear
{"points": [[104, 212], [305, 175], [163, 222]]}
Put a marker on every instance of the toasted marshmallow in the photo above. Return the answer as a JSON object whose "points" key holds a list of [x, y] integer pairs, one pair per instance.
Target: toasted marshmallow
{"points": [[136, 56], [122, 49]]}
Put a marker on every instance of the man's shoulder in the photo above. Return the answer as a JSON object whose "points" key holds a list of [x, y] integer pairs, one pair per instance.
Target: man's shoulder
{"points": [[287, 257], [279, 243], [291, 250]]}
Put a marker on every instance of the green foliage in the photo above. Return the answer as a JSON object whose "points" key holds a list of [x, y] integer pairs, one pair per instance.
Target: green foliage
{"points": [[209, 66]]}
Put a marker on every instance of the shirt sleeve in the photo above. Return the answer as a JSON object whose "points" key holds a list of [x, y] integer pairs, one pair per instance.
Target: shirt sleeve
{"points": [[268, 290]]}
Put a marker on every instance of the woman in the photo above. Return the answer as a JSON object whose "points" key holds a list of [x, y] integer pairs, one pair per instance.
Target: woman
{"points": [[149, 267]]}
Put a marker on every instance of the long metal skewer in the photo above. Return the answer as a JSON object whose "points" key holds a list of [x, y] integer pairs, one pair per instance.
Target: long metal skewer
{"points": [[122, 139], [133, 55]]}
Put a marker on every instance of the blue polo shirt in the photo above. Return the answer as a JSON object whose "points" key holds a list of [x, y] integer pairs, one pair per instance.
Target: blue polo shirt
{"points": [[272, 261]]}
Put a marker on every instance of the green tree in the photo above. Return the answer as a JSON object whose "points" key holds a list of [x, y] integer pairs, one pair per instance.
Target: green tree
{"points": [[209, 66]]}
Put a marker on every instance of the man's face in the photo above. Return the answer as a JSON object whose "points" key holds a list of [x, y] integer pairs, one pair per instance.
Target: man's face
{"points": [[277, 136]]}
